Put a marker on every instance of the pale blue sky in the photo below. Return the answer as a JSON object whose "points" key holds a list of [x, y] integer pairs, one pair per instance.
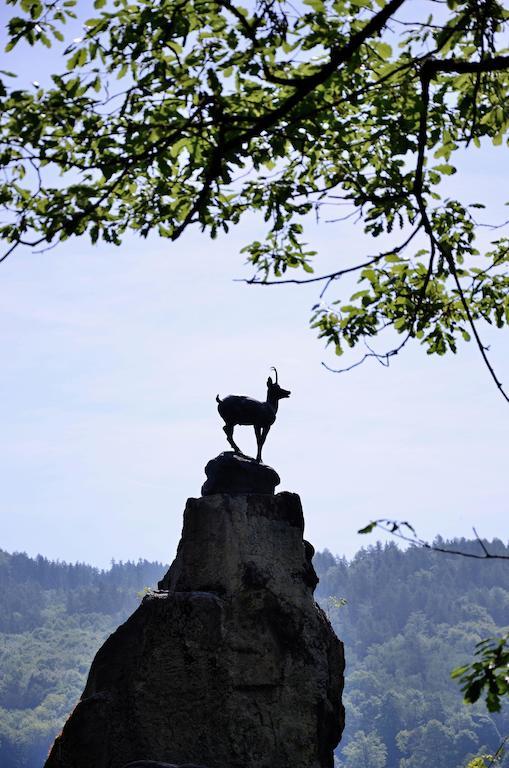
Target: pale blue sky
{"points": [[112, 359]]}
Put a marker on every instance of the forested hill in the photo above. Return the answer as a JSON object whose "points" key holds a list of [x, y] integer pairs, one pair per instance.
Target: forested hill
{"points": [[409, 618], [53, 618], [31, 586]]}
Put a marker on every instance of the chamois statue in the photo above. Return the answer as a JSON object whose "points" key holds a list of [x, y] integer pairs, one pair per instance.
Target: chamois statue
{"points": [[239, 409]]}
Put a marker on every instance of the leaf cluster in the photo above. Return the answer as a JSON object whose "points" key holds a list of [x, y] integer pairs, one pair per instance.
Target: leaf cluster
{"points": [[489, 673]]}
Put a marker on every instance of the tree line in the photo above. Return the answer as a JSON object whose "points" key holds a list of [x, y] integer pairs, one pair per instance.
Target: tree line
{"points": [[407, 619]]}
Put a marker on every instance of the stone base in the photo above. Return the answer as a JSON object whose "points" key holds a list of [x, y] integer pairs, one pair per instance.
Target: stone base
{"points": [[233, 473]]}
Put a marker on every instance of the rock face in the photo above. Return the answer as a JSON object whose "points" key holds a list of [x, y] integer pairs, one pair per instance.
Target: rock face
{"points": [[230, 665], [232, 473], [156, 764]]}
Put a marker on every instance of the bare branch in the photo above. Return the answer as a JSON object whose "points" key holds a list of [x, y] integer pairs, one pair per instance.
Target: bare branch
{"points": [[18, 243], [482, 348], [383, 358], [458, 67], [334, 275], [396, 527]]}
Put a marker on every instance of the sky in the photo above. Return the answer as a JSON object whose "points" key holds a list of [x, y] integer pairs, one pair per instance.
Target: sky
{"points": [[112, 359]]}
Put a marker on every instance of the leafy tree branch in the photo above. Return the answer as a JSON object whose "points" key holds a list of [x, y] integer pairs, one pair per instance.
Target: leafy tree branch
{"points": [[194, 113]]}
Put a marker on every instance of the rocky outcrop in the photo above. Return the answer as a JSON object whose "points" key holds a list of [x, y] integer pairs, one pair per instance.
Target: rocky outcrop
{"points": [[231, 664], [234, 473]]}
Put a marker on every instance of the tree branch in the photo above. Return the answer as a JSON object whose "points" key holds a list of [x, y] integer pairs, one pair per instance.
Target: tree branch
{"points": [[309, 83], [429, 68], [333, 275], [458, 67], [394, 527]]}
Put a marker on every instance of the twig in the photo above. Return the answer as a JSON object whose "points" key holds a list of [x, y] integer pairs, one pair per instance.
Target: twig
{"points": [[394, 528], [382, 358], [481, 543], [333, 275]]}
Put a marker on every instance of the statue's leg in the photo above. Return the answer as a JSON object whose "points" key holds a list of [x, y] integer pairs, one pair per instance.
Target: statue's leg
{"points": [[258, 434], [228, 430], [263, 437]]}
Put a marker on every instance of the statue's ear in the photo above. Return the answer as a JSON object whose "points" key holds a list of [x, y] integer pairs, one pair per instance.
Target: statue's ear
{"points": [[269, 382]]}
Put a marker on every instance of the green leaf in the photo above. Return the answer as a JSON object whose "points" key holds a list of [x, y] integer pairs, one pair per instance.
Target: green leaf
{"points": [[384, 49], [368, 528], [444, 168]]}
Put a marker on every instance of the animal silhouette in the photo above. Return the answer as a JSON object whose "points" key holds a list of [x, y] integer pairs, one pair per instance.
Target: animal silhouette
{"points": [[239, 409]]}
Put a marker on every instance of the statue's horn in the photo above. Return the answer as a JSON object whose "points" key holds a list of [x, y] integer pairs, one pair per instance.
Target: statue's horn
{"points": [[273, 369]]}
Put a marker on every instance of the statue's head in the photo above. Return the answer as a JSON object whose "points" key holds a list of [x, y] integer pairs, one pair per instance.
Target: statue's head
{"points": [[275, 390]]}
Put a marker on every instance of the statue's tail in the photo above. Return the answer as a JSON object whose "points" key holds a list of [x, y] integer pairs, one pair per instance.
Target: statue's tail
{"points": [[218, 399]]}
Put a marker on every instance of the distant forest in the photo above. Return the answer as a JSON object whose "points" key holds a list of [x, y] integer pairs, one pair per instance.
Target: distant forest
{"points": [[406, 617]]}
